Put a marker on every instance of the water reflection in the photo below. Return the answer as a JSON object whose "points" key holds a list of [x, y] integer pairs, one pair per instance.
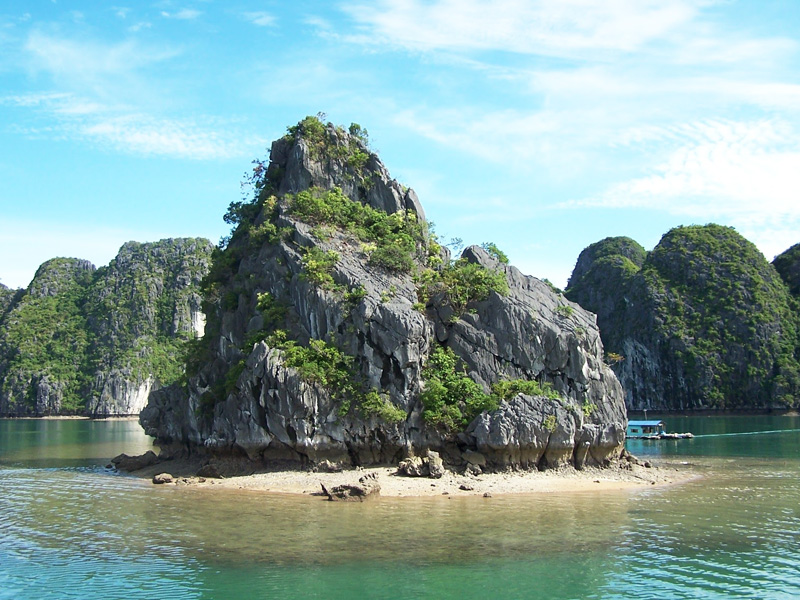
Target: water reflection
{"points": [[766, 436], [55, 443], [74, 529]]}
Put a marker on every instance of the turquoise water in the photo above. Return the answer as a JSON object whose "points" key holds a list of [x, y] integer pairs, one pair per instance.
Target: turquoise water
{"points": [[69, 528]]}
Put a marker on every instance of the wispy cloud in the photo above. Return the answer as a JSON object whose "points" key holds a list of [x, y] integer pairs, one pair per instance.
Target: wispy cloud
{"points": [[31, 100], [135, 133], [87, 67], [549, 27], [590, 102], [260, 18], [746, 174], [108, 102], [136, 27], [160, 137], [186, 14]]}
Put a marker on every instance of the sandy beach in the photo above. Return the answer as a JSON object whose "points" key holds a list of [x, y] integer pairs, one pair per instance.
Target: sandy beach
{"points": [[566, 480]]}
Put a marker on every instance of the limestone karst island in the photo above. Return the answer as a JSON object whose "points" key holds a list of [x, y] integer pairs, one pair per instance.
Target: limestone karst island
{"points": [[331, 328]]}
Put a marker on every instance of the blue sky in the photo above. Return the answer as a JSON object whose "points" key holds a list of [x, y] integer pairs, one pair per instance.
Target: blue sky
{"points": [[541, 125]]}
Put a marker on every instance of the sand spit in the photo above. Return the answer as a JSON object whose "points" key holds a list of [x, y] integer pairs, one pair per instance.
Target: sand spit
{"points": [[622, 476]]}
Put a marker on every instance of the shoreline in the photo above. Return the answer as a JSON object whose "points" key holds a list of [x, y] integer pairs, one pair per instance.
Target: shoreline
{"points": [[621, 476], [73, 418], [709, 412]]}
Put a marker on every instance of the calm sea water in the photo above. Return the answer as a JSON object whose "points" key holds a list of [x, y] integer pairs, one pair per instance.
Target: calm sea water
{"points": [[71, 529]]}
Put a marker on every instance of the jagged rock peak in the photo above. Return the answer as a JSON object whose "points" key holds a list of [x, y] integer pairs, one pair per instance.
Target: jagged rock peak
{"points": [[327, 156], [56, 274], [340, 330], [610, 247]]}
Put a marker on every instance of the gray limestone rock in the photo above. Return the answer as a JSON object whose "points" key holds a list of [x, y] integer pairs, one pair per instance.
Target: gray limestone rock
{"points": [[123, 462], [430, 465], [330, 467], [414, 466], [474, 458], [435, 464], [245, 400], [367, 488], [209, 471]]}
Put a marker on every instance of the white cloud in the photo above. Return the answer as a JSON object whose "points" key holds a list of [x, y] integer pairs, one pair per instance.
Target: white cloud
{"points": [[58, 55], [728, 50], [636, 66], [135, 133], [185, 14], [745, 174], [550, 27], [139, 26], [260, 18], [108, 102], [140, 134], [31, 100], [112, 72]]}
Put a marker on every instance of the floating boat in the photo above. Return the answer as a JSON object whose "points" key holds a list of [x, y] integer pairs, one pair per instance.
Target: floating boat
{"points": [[652, 430]]}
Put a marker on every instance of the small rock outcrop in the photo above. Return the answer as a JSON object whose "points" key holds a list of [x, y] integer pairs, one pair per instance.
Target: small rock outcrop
{"points": [[430, 465], [700, 322], [96, 342], [339, 330], [367, 488], [126, 463]]}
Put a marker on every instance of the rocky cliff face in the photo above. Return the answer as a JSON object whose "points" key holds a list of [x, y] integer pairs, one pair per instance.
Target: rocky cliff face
{"points": [[701, 322], [43, 342], [142, 309], [92, 341], [340, 330]]}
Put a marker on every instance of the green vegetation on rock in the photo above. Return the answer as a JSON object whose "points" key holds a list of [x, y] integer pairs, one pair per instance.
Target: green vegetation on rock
{"points": [[45, 341], [710, 322], [452, 400], [507, 389], [8, 298], [323, 364], [81, 340], [495, 252], [397, 239], [788, 266], [324, 142], [459, 283]]}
